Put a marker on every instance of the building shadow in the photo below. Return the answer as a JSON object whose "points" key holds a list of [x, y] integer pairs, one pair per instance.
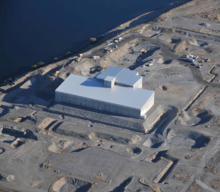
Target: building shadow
{"points": [[38, 89], [92, 83]]}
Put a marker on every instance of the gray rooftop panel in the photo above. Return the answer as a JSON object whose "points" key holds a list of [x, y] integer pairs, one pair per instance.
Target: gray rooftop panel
{"points": [[127, 77], [123, 75], [94, 89], [110, 71]]}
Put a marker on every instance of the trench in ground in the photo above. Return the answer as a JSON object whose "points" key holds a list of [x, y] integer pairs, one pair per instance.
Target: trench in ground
{"points": [[88, 136], [168, 157]]}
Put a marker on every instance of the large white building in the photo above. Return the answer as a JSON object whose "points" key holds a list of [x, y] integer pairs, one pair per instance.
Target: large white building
{"points": [[117, 90]]}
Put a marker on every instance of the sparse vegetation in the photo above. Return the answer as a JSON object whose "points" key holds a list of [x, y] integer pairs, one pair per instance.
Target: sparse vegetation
{"points": [[10, 79], [68, 53], [38, 65], [34, 66], [93, 40], [55, 59]]}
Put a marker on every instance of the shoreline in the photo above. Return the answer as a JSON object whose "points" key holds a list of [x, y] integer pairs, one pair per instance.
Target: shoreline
{"points": [[107, 36]]}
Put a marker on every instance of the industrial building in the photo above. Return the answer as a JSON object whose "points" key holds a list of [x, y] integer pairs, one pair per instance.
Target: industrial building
{"points": [[116, 90]]}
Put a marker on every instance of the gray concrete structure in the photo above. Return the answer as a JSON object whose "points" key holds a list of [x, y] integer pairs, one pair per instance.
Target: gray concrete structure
{"points": [[104, 95]]}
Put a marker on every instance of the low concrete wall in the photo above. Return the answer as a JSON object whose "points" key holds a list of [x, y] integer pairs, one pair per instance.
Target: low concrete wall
{"points": [[63, 109], [154, 116]]}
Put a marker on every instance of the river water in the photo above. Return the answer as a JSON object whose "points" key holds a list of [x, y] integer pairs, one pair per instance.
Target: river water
{"points": [[39, 30]]}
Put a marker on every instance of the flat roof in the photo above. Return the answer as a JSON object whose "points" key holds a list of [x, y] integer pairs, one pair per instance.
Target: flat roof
{"points": [[128, 77], [123, 75], [93, 89], [110, 71]]}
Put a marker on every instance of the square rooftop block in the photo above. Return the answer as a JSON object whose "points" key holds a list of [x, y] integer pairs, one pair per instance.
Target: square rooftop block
{"points": [[109, 81], [123, 76]]}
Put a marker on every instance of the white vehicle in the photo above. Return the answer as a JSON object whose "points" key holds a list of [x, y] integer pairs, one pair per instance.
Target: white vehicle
{"points": [[116, 41], [188, 58], [96, 57], [120, 38], [191, 60]]}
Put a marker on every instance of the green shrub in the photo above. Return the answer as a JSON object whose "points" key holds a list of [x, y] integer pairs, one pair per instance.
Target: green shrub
{"points": [[55, 59], [34, 66], [40, 64], [68, 53], [10, 79], [93, 40]]}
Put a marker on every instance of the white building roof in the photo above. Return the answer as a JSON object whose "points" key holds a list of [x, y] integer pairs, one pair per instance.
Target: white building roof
{"points": [[93, 89], [123, 76]]}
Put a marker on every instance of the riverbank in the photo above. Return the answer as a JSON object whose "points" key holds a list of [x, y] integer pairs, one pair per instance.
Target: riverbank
{"points": [[130, 25]]}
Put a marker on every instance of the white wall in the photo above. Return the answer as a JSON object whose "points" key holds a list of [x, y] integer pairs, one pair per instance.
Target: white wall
{"points": [[121, 110]]}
